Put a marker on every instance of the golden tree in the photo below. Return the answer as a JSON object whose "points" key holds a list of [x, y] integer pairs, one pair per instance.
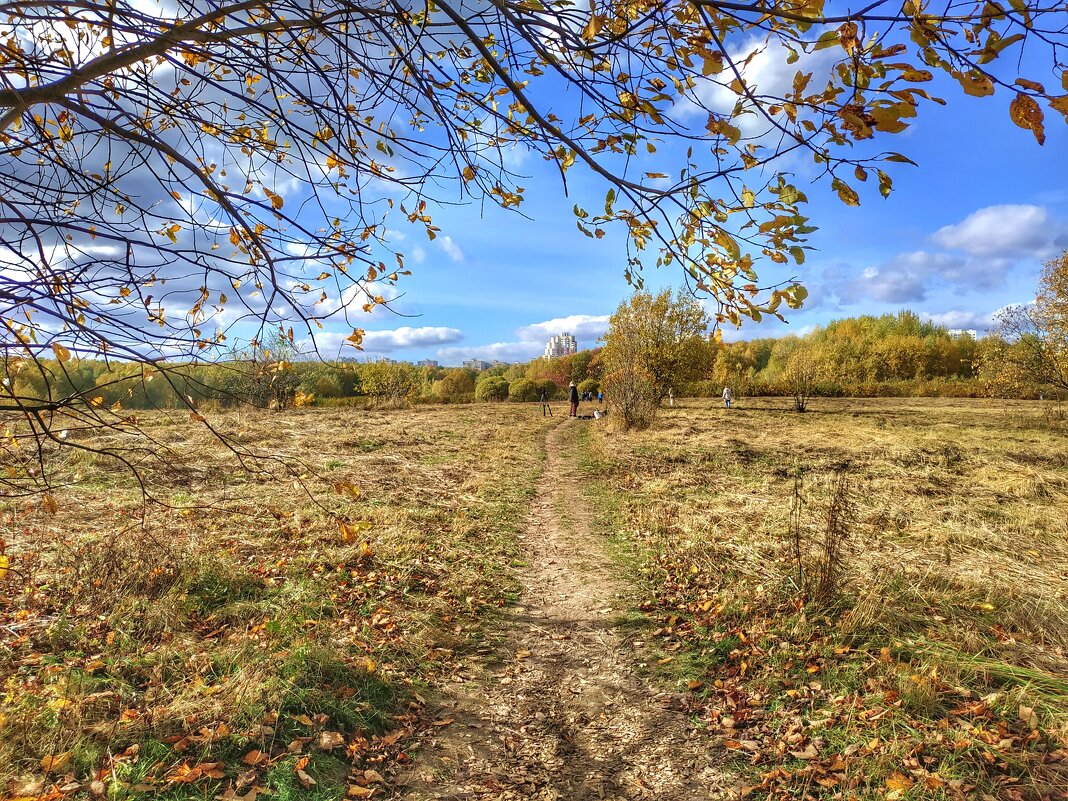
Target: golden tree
{"points": [[654, 344], [1032, 348], [178, 172]]}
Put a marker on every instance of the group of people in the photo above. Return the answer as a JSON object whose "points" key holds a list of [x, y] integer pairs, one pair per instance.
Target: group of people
{"points": [[574, 397]]}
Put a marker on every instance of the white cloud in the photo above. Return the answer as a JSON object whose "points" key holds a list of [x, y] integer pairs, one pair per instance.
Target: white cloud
{"points": [[767, 74], [408, 337], [902, 279], [450, 247], [531, 339], [967, 320], [1004, 232], [332, 343], [353, 297], [417, 255], [587, 328], [504, 351], [906, 277]]}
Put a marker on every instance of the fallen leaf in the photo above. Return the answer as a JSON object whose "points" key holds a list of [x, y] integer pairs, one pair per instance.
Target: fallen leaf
{"points": [[1028, 716], [393, 736], [355, 791], [811, 752], [329, 740], [55, 762], [254, 757], [899, 781]]}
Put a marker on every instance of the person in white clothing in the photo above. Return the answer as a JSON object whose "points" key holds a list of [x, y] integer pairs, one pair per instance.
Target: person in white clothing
{"points": [[727, 395]]}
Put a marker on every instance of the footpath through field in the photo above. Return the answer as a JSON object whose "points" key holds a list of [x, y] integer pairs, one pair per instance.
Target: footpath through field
{"points": [[556, 710]]}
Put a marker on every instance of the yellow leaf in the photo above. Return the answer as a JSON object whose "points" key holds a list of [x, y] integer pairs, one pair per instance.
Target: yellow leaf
{"points": [[469, 173], [347, 488], [845, 192], [55, 762], [4, 566], [748, 198], [593, 27], [49, 503], [976, 85], [1060, 104], [1032, 85], [61, 352], [276, 200], [899, 781], [916, 76], [351, 531], [1025, 112], [713, 64], [847, 34]]}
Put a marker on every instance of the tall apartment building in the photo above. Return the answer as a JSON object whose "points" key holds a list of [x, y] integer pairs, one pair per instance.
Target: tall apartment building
{"points": [[560, 345], [476, 364]]}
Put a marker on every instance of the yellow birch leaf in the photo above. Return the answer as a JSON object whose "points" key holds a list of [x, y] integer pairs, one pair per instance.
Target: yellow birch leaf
{"points": [[61, 352], [593, 27], [1060, 104], [978, 85], [1024, 111], [845, 192], [276, 200]]}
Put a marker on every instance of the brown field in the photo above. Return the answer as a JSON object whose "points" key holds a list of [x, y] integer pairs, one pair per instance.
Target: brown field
{"points": [[866, 600], [920, 650]]}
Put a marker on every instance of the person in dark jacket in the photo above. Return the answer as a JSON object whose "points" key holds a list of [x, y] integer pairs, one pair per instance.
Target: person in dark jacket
{"points": [[573, 396]]}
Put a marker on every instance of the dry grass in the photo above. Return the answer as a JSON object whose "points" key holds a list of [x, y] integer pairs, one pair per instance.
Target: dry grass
{"points": [[233, 615], [951, 583]]}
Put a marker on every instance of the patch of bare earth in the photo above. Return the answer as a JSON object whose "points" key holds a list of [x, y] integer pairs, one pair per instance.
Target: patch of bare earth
{"points": [[555, 710]]}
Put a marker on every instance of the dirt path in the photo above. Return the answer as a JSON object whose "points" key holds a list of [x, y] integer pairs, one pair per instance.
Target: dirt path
{"points": [[557, 711]]}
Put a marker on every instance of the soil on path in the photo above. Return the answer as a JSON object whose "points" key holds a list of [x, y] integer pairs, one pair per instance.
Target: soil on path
{"points": [[557, 712]]}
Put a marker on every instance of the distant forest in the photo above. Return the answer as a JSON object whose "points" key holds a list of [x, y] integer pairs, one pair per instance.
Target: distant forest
{"points": [[890, 355]]}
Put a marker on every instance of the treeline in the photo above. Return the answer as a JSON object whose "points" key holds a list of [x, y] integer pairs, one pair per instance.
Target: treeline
{"points": [[893, 354], [282, 383]]}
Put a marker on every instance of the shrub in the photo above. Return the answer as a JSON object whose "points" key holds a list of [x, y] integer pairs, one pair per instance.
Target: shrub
{"points": [[492, 388], [632, 397], [457, 385], [548, 386], [522, 389]]}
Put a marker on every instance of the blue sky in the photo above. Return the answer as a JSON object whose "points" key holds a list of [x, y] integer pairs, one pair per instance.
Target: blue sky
{"points": [[961, 236]]}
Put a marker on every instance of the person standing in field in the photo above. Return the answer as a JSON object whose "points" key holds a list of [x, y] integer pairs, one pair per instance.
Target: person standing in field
{"points": [[573, 396], [727, 395], [600, 397]]}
